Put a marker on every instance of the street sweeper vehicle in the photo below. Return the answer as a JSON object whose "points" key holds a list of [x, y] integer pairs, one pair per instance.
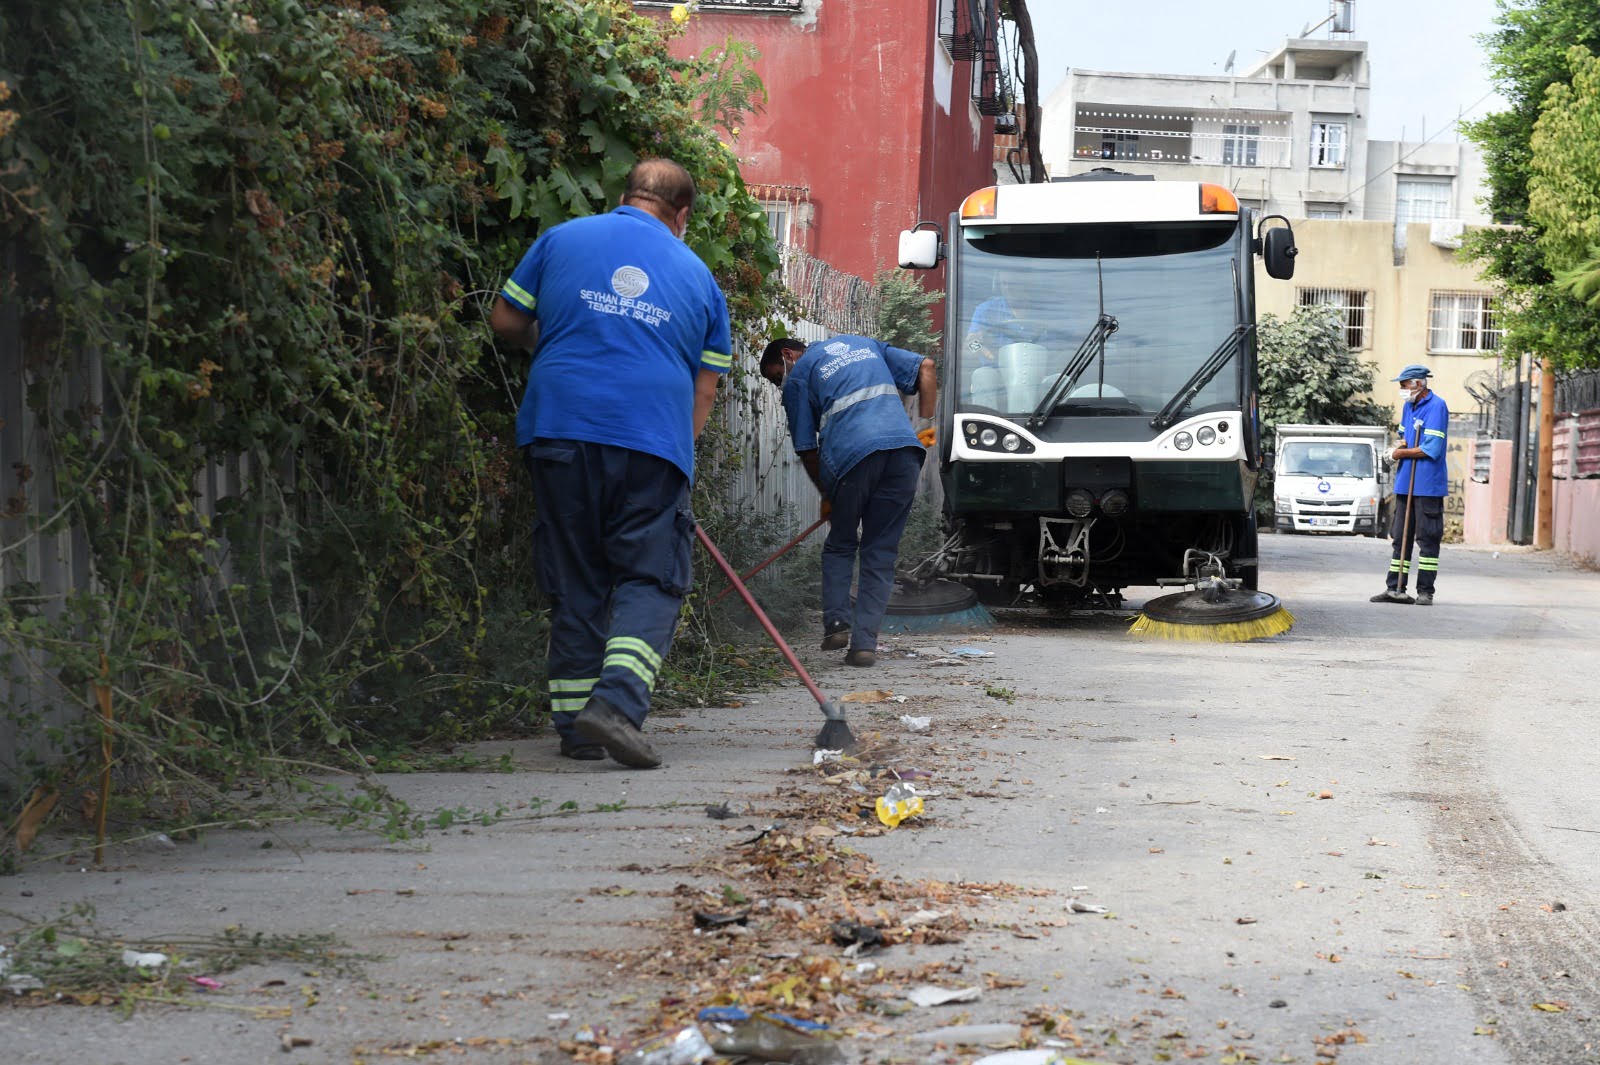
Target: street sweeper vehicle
{"points": [[1098, 424]]}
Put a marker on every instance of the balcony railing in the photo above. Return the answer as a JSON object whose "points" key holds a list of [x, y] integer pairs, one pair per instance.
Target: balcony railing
{"points": [[1186, 138]]}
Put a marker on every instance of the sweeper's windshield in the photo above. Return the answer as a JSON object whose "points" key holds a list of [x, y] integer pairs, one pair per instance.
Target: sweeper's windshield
{"points": [[1029, 298]]}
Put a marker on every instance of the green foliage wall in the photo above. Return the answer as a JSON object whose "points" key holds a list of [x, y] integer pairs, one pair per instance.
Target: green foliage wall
{"points": [[280, 225]]}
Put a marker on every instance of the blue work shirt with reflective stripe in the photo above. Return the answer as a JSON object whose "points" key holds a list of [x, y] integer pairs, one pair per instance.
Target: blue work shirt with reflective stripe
{"points": [[843, 397], [1425, 425], [628, 317]]}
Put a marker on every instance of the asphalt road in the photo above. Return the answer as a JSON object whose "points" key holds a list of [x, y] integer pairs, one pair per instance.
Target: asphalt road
{"points": [[1422, 912]]}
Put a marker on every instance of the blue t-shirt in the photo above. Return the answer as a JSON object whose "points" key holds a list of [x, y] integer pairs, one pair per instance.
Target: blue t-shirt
{"points": [[628, 317], [843, 396], [996, 325], [1427, 422]]}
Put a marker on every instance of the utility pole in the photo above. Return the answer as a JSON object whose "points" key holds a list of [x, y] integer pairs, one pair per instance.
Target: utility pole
{"points": [[1544, 519], [1031, 112]]}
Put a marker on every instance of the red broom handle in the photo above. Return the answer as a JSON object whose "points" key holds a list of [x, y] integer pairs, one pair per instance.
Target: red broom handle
{"points": [[779, 553], [761, 615]]}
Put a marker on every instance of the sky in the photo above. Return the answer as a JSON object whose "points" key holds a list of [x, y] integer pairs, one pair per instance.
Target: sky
{"points": [[1426, 61]]}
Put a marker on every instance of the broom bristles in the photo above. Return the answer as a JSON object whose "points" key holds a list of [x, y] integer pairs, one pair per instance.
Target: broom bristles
{"points": [[974, 617], [1274, 624]]}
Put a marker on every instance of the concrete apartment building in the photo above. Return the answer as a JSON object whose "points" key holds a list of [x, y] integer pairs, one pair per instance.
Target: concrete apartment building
{"points": [[1378, 223]]}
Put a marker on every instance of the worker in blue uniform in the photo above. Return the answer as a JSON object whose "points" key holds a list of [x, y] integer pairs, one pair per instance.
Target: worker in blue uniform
{"points": [[849, 426], [630, 336], [1424, 479]]}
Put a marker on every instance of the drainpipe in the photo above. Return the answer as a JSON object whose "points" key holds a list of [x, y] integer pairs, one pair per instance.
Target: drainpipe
{"points": [[1544, 536], [1518, 441]]}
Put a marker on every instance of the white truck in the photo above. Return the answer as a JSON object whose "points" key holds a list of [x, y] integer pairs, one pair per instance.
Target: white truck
{"points": [[1332, 478]]}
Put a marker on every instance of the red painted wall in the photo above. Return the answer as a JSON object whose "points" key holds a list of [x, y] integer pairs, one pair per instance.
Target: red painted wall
{"points": [[851, 115]]}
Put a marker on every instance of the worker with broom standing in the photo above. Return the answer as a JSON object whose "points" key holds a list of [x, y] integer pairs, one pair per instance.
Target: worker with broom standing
{"points": [[630, 335], [1419, 514], [850, 429]]}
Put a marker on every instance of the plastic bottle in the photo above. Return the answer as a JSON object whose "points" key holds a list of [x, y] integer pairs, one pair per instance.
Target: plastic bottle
{"points": [[687, 1046]]}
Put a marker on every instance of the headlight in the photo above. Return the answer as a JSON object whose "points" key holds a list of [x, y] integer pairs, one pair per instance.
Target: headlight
{"points": [[972, 428], [988, 437], [1206, 435], [1079, 503], [1011, 441], [1114, 502], [1183, 441]]}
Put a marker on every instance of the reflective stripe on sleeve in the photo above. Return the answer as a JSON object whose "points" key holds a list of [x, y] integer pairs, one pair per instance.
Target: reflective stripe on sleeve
{"points": [[715, 360], [518, 295]]}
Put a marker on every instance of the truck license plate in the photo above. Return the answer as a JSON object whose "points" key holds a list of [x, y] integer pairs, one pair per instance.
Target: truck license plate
{"points": [[1320, 521]]}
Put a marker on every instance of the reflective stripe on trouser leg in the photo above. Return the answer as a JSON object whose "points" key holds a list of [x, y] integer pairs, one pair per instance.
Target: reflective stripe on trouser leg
{"points": [[1430, 530], [648, 538], [567, 696], [1400, 554]]}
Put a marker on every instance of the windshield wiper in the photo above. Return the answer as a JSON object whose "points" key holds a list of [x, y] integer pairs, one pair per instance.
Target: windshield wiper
{"points": [[1091, 345], [1202, 377]]}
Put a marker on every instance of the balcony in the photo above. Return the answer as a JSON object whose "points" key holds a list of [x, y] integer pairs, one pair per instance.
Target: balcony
{"points": [[1179, 135]]}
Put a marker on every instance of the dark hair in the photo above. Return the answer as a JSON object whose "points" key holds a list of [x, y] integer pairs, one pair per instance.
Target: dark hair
{"points": [[661, 180], [772, 357]]}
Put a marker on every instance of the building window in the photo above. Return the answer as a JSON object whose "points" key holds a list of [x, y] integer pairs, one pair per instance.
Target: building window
{"points": [[1461, 323], [1422, 200], [1353, 307], [1334, 211], [1119, 145], [1241, 144], [1327, 144], [778, 221]]}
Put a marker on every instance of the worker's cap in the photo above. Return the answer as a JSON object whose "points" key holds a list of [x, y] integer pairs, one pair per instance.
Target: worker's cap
{"points": [[1415, 372]]}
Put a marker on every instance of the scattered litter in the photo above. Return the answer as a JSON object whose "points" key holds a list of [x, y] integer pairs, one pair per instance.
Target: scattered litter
{"points": [[1324, 794], [1244, 920], [1080, 887], [794, 906], [922, 917], [1084, 907], [134, 959], [558, 1017], [290, 1042], [1031, 1057], [822, 757], [1277, 1004], [162, 841], [927, 995], [205, 983], [876, 695], [772, 1037], [720, 920], [860, 937], [916, 724], [971, 1035], [719, 813], [898, 803], [758, 837], [970, 652], [945, 662], [687, 1046], [736, 1014], [1276, 757], [1101, 810], [16, 982]]}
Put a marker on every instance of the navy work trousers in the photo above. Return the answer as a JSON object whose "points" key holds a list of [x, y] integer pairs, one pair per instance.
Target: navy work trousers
{"points": [[870, 505], [611, 546], [1427, 529]]}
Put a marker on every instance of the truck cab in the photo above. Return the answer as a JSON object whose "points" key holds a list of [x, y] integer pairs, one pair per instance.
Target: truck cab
{"points": [[1331, 479]]}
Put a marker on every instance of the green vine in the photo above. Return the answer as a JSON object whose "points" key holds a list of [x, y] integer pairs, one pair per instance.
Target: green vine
{"points": [[254, 243]]}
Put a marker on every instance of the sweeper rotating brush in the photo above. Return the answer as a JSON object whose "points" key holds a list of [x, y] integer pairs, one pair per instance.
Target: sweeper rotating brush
{"points": [[934, 606], [1215, 612]]}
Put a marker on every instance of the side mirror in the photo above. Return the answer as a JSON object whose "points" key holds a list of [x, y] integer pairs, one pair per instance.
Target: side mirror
{"points": [[1278, 251], [919, 248]]}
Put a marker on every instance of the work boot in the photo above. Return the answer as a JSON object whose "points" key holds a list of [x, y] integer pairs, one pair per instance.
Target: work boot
{"points": [[582, 752], [602, 724], [836, 636], [1389, 595], [861, 658], [1424, 598]]}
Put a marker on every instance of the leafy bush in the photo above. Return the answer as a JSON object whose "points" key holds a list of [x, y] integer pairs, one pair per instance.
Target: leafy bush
{"points": [[277, 226]]}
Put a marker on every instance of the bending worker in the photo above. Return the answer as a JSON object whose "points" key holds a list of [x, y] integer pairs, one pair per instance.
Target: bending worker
{"points": [[850, 429], [630, 335], [1425, 479]]}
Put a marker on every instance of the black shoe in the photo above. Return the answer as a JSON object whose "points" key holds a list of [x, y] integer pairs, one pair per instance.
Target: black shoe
{"points": [[861, 658], [582, 752], [1389, 595], [604, 725], [1424, 598], [836, 636]]}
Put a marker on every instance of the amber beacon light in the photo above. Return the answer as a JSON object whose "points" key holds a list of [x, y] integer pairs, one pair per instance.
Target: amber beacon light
{"points": [[1214, 199], [980, 204]]}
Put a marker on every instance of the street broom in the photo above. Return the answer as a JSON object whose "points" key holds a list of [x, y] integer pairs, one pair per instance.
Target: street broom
{"points": [[835, 734]]}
